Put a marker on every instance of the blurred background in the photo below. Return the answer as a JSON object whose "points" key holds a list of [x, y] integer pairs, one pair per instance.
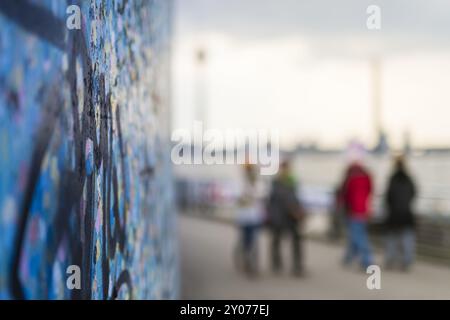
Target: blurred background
{"points": [[315, 71]]}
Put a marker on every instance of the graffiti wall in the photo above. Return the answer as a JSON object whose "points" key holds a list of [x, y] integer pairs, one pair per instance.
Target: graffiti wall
{"points": [[85, 174]]}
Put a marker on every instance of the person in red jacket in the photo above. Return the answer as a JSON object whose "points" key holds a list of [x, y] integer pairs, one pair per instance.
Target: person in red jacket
{"points": [[356, 197]]}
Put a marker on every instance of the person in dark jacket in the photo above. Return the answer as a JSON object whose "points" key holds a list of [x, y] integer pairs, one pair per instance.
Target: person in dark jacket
{"points": [[337, 216], [284, 214], [399, 196]]}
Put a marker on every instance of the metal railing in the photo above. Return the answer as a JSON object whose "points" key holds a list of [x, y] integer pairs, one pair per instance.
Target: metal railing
{"points": [[432, 227]]}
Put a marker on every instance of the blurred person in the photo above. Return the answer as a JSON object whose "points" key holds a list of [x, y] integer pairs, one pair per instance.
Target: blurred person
{"points": [[336, 215], [250, 216], [400, 239], [285, 213], [356, 197]]}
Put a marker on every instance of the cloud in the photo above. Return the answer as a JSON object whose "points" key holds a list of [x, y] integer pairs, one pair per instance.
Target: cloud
{"points": [[338, 26]]}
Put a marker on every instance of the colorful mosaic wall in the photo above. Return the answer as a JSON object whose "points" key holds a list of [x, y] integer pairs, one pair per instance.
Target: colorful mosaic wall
{"points": [[85, 174]]}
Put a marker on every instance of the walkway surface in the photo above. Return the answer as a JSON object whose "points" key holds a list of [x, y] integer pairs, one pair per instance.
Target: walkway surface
{"points": [[208, 272]]}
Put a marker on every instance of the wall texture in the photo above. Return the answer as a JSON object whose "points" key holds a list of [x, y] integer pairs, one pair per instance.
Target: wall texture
{"points": [[84, 150]]}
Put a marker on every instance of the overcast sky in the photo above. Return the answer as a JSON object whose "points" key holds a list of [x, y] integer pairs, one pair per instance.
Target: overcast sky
{"points": [[303, 67]]}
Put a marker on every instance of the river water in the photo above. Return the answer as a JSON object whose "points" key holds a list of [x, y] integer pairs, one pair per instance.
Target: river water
{"points": [[320, 173]]}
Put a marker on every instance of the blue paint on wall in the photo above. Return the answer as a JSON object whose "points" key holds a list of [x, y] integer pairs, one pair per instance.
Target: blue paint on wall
{"points": [[84, 150]]}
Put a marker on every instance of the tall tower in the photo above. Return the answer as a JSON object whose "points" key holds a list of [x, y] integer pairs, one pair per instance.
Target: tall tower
{"points": [[200, 87], [381, 144], [407, 142]]}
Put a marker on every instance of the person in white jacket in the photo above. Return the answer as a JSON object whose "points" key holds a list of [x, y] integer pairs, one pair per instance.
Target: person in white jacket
{"points": [[250, 216]]}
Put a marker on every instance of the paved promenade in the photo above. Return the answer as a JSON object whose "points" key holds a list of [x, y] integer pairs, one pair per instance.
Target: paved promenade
{"points": [[208, 272]]}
